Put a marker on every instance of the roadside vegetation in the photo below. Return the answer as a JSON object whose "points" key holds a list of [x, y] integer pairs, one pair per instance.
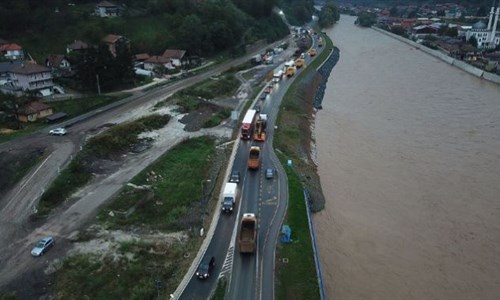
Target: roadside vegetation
{"points": [[220, 290], [162, 205], [111, 144], [295, 261], [190, 98], [296, 277]]}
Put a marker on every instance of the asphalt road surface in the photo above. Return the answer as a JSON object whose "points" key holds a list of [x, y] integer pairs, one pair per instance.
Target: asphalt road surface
{"points": [[251, 276]]}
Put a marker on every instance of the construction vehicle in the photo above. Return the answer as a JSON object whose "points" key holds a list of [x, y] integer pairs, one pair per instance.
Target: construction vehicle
{"points": [[260, 128], [299, 63], [248, 233], [247, 124], [229, 196], [312, 52], [254, 158], [320, 42], [290, 71]]}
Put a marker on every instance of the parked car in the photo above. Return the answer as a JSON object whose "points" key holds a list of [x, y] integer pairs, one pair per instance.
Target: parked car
{"points": [[235, 177], [206, 266], [257, 108], [269, 173], [263, 96], [58, 131], [43, 246]]}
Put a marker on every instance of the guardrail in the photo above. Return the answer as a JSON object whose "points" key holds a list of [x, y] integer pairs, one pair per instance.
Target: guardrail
{"points": [[307, 198]]}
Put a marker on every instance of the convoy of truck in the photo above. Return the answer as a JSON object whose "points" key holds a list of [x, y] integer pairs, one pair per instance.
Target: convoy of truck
{"points": [[254, 158], [254, 125], [229, 196], [248, 233], [260, 128]]}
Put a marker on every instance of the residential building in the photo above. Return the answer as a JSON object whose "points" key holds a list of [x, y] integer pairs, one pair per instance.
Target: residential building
{"points": [[156, 62], [114, 42], [57, 61], [107, 9], [30, 77], [76, 46], [59, 64], [33, 111], [12, 51], [175, 56]]}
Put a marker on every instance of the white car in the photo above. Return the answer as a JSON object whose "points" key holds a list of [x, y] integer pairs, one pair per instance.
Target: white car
{"points": [[42, 246], [57, 131]]}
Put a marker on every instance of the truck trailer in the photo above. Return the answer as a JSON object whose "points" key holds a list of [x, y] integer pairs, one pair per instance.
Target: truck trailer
{"points": [[248, 233], [247, 124]]}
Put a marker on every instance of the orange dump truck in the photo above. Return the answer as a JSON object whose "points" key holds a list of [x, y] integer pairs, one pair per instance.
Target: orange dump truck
{"points": [[254, 158], [248, 233]]}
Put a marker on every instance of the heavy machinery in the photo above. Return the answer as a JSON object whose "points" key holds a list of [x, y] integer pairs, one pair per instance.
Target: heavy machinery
{"points": [[260, 128]]}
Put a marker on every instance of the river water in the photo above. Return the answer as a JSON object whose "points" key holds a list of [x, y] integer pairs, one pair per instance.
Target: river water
{"points": [[409, 159]]}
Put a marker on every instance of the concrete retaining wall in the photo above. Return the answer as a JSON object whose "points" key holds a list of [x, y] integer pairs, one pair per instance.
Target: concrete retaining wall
{"points": [[491, 77], [450, 60]]}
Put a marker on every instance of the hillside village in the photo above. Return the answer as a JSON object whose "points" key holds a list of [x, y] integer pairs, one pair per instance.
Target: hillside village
{"points": [[467, 34]]}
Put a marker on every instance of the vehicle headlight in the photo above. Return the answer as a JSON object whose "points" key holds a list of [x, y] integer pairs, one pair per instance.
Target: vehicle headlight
{"points": [[206, 275], [231, 209]]}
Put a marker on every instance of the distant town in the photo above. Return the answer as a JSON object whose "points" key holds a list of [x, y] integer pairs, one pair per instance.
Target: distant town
{"points": [[468, 34]]}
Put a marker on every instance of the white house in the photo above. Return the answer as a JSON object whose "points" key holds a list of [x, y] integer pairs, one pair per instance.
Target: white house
{"points": [[487, 36], [107, 9], [31, 77]]}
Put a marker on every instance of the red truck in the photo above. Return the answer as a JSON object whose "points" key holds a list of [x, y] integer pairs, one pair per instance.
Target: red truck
{"points": [[248, 124]]}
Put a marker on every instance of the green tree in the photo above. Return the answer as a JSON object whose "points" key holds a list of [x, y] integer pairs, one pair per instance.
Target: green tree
{"points": [[393, 12], [366, 19], [328, 15], [399, 30]]}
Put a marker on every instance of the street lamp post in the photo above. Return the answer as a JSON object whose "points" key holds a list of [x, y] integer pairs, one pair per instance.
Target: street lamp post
{"points": [[202, 202]]}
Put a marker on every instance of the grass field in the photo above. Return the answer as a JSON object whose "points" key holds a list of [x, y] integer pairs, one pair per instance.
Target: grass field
{"points": [[136, 268], [297, 279]]}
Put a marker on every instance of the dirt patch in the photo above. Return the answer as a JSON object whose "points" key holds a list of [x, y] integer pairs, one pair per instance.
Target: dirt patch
{"points": [[195, 120]]}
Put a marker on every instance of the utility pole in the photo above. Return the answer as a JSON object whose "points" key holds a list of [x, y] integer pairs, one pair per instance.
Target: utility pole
{"points": [[98, 85]]}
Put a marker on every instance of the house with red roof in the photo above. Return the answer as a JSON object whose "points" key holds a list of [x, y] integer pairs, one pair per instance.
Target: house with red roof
{"points": [[77, 46], [114, 41], [12, 51]]}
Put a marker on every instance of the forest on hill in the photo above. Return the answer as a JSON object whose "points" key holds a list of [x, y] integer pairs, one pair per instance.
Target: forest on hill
{"points": [[200, 26], [387, 3]]}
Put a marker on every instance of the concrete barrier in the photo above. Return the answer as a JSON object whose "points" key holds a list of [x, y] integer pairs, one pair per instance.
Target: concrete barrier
{"points": [[454, 62], [491, 77], [468, 68]]}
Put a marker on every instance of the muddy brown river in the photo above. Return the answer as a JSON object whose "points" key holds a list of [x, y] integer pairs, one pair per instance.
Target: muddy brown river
{"points": [[409, 158]]}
